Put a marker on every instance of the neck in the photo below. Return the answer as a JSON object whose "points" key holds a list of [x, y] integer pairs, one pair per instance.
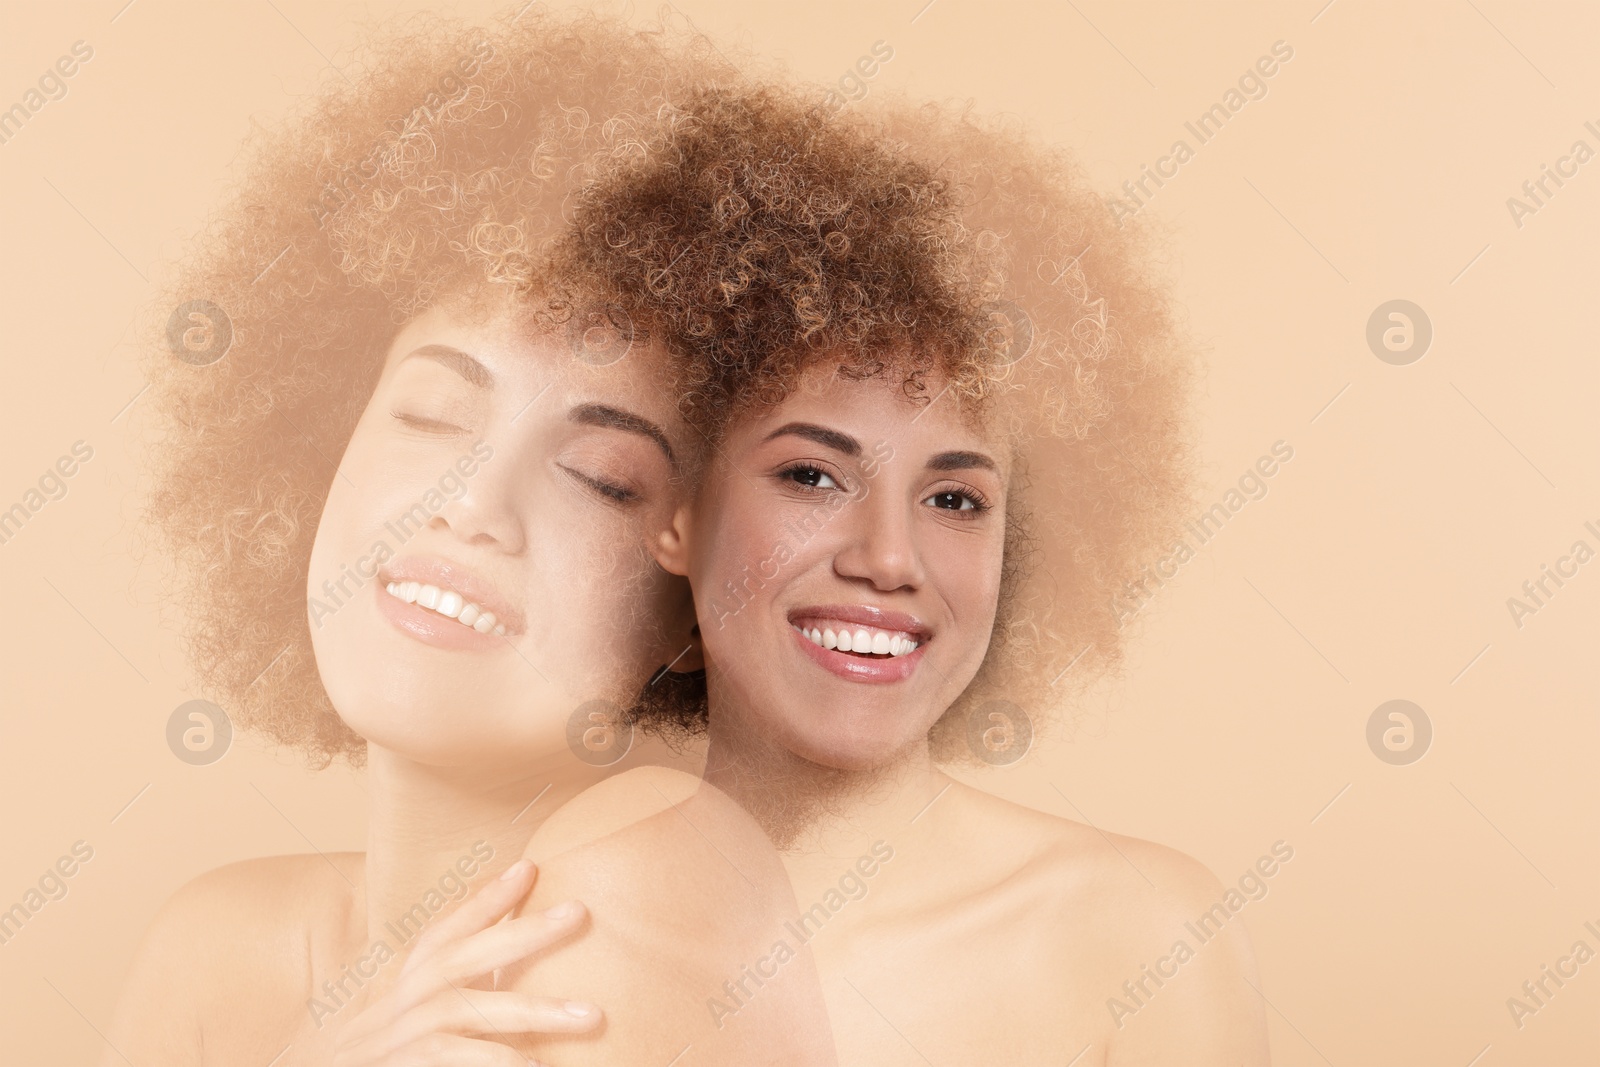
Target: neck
{"points": [[820, 816], [430, 826]]}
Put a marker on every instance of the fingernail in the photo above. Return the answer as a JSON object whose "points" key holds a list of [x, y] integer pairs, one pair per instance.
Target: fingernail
{"points": [[579, 1009], [564, 911], [516, 869]]}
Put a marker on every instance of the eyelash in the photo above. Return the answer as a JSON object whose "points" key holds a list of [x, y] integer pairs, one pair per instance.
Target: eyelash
{"points": [[426, 425], [980, 503], [787, 472], [616, 493]]}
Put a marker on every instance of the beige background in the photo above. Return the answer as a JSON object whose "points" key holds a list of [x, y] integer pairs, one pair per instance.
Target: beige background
{"points": [[1378, 567]]}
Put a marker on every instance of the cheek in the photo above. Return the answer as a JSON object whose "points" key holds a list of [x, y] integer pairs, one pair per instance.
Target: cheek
{"points": [[369, 485], [601, 590], [969, 579], [344, 526], [736, 563]]}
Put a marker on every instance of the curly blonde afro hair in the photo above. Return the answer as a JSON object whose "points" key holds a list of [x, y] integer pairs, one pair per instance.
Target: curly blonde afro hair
{"points": [[439, 174], [766, 234]]}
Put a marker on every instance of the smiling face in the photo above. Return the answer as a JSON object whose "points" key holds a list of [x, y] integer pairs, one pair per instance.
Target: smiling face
{"points": [[845, 551], [479, 570]]}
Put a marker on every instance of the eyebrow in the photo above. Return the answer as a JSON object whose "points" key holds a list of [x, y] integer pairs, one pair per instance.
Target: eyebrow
{"points": [[958, 461], [843, 442], [810, 431], [617, 419], [469, 368]]}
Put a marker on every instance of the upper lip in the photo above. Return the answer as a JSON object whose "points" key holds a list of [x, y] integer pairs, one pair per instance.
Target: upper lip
{"points": [[447, 574], [864, 615]]}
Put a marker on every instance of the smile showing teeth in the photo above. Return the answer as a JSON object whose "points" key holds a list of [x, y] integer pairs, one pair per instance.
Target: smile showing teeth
{"points": [[860, 640], [448, 603]]}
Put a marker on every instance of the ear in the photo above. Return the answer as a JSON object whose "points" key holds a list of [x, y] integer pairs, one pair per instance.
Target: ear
{"points": [[670, 546]]}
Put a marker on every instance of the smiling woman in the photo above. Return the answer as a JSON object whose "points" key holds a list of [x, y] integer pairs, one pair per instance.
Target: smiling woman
{"points": [[573, 446], [455, 212], [848, 296]]}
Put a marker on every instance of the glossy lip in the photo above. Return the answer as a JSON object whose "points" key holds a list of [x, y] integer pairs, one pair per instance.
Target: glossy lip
{"points": [[430, 627], [863, 615], [857, 668]]}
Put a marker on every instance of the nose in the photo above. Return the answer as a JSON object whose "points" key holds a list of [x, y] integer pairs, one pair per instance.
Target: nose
{"points": [[880, 544], [485, 513]]}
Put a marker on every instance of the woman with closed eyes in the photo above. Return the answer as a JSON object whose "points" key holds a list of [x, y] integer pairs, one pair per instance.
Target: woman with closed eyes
{"points": [[412, 500], [945, 408]]}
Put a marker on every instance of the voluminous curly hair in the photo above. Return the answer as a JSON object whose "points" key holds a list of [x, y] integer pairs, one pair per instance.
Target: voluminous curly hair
{"points": [[765, 235], [439, 174]]}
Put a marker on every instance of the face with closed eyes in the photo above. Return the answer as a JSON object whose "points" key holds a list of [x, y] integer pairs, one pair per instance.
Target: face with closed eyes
{"points": [[845, 552], [479, 570]]}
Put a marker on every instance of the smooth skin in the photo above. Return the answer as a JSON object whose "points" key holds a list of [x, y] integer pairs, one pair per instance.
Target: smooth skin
{"points": [[467, 749], [996, 933]]}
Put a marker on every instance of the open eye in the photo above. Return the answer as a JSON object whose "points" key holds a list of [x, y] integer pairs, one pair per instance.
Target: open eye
{"points": [[808, 475], [969, 500]]}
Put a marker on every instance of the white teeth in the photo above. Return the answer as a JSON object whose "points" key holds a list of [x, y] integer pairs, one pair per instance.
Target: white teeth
{"points": [[448, 603], [876, 642]]}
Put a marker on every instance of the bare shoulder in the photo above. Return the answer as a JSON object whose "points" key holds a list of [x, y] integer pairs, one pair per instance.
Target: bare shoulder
{"points": [[255, 905], [236, 934], [655, 838], [1091, 865], [613, 805], [684, 894], [1154, 930]]}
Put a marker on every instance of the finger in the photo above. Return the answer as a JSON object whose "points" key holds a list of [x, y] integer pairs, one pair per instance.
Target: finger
{"points": [[508, 942], [462, 1012], [478, 912], [416, 982], [457, 966]]}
